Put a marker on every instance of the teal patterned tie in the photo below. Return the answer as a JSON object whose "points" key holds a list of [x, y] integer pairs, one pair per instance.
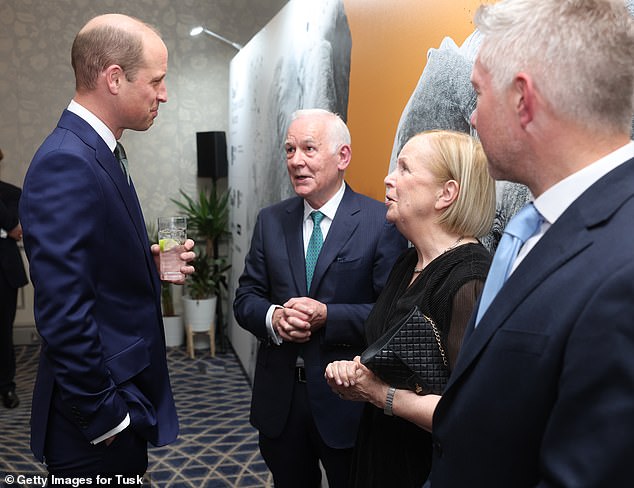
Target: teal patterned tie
{"points": [[119, 153], [314, 246]]}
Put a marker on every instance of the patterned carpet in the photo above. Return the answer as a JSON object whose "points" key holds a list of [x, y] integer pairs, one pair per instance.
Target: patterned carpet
{"points": [[216, 448]]}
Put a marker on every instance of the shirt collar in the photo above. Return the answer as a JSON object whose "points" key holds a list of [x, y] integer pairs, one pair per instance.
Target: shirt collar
{"points": [[554, 201], [329, 209], [94, 122]]}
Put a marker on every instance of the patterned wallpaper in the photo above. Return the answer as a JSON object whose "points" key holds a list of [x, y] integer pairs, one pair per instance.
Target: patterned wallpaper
{"points": [[36, 82]]}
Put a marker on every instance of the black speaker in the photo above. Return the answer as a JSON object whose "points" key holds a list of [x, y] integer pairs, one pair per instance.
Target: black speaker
{"points": [[211, 148]]}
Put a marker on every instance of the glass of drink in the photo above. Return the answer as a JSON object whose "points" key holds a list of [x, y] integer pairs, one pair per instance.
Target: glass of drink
{"points": [[172, 232]]}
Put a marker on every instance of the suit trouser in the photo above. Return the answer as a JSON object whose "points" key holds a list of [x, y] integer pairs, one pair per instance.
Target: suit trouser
{"points": [[293, 458], [8, 301], [67, 451]]}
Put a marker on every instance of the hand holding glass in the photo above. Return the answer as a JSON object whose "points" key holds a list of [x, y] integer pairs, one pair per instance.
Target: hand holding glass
{"points": [[172, 232]]}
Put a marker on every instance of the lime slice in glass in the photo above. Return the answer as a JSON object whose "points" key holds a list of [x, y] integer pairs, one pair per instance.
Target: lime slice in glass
{"points": [[167, 244]]}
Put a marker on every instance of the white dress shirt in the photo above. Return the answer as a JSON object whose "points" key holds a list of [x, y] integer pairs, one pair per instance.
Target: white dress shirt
{"points": [[94, 122]]}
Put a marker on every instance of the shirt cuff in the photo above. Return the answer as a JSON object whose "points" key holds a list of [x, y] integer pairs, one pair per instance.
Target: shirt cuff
{"points": [[277, 340], [119, 428]]}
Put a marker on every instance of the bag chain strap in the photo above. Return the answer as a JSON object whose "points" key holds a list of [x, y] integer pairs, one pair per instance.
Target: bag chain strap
{"points": [[437, 334]]}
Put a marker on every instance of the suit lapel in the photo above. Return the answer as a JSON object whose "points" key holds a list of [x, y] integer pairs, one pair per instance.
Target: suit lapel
{"points": [[127, 192], [293, 234], [342, 227], [106, 159], [545, 258], [566, 238]]}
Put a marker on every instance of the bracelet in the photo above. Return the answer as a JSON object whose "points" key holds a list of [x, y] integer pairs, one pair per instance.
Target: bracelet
{"points": [[389, 401]]}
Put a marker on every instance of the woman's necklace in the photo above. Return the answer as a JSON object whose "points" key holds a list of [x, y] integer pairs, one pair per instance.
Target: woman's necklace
{"points": [[420, 270]]}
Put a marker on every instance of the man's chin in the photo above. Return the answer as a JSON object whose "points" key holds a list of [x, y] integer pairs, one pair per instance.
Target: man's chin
{"points": [[143, 128], [301, 188]]}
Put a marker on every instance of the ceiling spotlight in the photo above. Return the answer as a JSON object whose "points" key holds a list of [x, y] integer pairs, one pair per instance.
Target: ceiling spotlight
{"points": [[200, 29], [196, 31]]}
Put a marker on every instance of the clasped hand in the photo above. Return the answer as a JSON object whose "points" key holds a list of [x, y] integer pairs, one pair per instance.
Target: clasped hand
{"points": [[299, 318], [352, 380]]}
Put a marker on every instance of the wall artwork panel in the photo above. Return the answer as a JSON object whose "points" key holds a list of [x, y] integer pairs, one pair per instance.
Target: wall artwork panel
{"points": [[303, 59]]}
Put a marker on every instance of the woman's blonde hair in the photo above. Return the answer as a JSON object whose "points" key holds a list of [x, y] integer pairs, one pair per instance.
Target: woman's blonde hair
{"points": [[460, 157]]}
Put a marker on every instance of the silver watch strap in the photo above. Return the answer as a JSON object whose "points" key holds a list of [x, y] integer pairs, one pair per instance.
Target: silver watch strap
{"points": [[389, 401]]}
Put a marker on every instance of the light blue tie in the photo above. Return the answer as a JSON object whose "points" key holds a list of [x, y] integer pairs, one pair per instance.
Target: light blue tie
{"points": [[119, 153], [314, 246], [522, 226]]}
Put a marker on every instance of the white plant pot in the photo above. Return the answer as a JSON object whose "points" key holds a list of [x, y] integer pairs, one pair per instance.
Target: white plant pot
{"points": [[174, 331], [200, 316]]}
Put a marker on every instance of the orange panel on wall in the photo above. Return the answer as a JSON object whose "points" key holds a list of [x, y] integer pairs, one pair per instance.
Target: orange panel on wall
{"points": [[389, 50]]}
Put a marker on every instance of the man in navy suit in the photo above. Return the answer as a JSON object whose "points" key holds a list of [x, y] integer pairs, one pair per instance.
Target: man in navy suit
{"points": [[102, 390], [12, 277], [303, 323], [543, 390]]}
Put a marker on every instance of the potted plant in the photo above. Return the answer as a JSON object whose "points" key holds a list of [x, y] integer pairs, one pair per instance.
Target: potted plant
{"points": [[209, 278], [172, 322], [203, 289], [207, 217], [207, 222]]}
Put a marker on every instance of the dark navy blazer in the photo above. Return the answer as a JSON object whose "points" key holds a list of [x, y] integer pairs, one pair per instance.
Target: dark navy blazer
{"points": [[352, 268], [543, 390], [97, 304]]}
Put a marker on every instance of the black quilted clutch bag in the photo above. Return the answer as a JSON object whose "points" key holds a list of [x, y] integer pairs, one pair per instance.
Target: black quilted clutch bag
{"points": [[410, 355]]}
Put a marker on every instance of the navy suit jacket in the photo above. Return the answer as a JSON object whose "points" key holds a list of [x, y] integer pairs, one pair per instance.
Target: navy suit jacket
{"points": [[543, 390], [356, 258], [97, 304]]}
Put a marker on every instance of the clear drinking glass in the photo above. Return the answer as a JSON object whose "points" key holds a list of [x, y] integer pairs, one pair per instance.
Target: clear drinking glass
{"points": [[172, 232]]}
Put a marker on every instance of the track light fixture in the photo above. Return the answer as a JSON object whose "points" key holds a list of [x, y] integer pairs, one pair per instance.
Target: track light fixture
{"points": [[200, 29]]}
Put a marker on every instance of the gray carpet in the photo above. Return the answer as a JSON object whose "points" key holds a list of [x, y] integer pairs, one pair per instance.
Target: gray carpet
{"points": [[217, 447]]}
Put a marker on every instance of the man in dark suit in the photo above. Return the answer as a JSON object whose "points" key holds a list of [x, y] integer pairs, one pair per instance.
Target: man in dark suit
{"points": [[12, 277], [303, 323], [543, 390], [102, 390]]}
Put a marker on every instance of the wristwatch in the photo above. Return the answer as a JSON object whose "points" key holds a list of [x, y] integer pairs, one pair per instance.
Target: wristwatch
{"points": [[389, 401]]}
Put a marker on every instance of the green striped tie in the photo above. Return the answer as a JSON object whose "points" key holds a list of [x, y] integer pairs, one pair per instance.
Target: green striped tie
{"points": [[119, 153]]}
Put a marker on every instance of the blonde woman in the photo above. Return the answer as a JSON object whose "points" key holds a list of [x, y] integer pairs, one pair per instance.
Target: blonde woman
{"points": [[442, 199]]}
